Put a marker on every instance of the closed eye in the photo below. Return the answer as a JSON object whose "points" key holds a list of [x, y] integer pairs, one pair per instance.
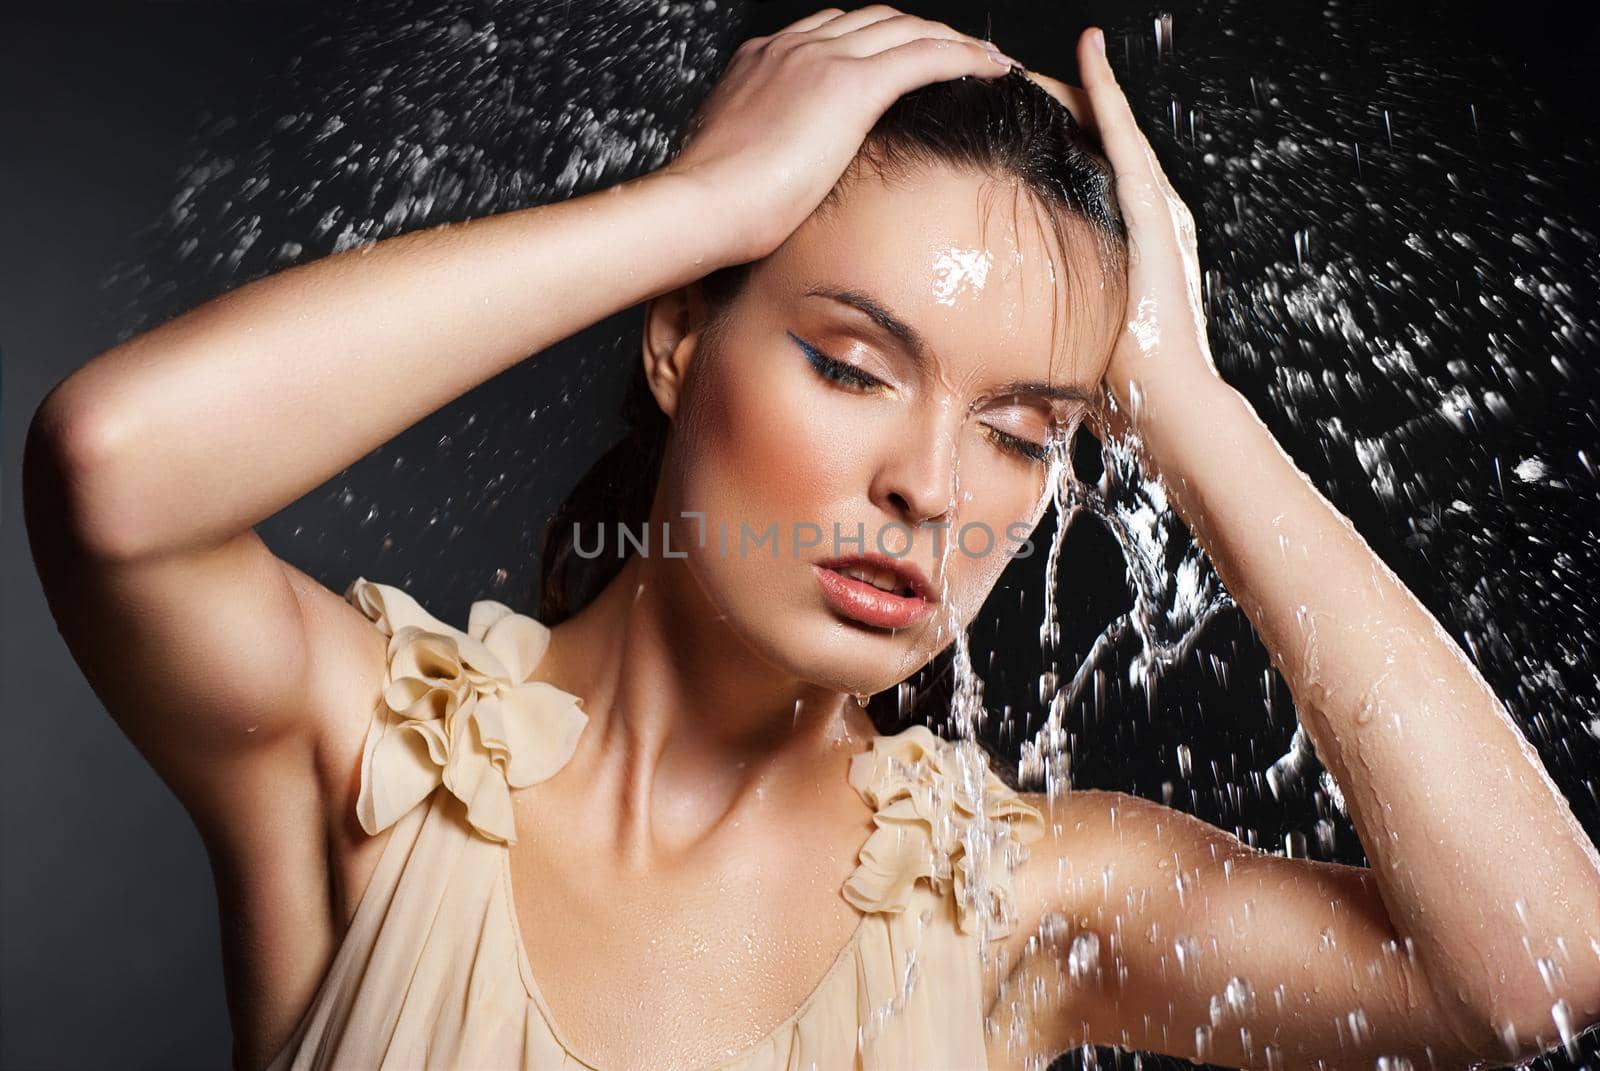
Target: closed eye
{"points": [[1023, 447], [835, 370], [843, 372]]}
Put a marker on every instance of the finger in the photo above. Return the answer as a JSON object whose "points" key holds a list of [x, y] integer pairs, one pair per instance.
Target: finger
{"points": [[1139, 161], [1072, 98], [811, 22], [1128, 150], [888, 33], [855, 20], [1119, 133], [932, 59]]}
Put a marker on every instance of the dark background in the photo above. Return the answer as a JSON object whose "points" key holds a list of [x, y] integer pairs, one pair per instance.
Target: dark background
{"points": [[107, 918]]}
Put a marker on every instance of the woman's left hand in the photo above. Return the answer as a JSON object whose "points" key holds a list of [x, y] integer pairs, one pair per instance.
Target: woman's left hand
{"points": [[1163, 341]]}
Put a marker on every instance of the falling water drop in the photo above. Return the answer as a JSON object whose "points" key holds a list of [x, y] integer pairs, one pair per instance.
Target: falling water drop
{"points": [[1163, 27]]}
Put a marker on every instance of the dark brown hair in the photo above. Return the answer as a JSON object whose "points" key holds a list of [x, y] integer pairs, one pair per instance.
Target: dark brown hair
{"points": [[1006, 127]]}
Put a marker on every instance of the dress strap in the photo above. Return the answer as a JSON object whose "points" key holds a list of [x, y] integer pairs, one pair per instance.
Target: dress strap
{"points": [[459, 711], [932, 824]]}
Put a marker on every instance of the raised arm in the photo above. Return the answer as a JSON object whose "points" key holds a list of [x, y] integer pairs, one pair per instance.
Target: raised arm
{"points": [[244, 683], [148, 467], [1182, 939], [1481, 878], [210, 423]]}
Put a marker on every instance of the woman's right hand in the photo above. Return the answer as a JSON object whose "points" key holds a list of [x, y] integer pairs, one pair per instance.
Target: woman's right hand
{"points": [[791, 111]]}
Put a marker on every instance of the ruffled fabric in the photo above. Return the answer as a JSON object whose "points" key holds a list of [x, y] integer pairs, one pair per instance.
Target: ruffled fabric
{"points": [[433, 970], [934, 824], [459, 711]]}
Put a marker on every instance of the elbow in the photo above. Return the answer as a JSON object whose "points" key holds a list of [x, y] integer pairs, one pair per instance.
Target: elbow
{"points": [[1525, 1029], [68, 483]]}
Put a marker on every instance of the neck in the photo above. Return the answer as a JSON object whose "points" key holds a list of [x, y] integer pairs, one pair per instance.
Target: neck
{"points": [[688, 725]]}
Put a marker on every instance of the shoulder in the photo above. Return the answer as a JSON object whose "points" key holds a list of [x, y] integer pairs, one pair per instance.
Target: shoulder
{"points": [[1101, 843], [941, 815], [349, 676], [1090, 879], [459, 709], [358, 635]]}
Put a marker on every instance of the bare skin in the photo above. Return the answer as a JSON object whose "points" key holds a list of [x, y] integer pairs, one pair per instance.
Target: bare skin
{"points": [[705, 820]]}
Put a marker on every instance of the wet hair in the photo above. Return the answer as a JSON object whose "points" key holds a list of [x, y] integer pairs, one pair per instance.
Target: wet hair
{"points": [[1008, 127]]}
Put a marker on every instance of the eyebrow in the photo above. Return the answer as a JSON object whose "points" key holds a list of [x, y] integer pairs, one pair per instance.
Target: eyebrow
{"points": [[919, 349]]}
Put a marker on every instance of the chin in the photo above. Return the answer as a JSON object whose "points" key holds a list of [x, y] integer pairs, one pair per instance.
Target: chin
{"points": [[788, 624]]}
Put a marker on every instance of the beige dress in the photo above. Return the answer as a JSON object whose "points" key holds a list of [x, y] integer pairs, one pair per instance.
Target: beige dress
{"points": [[433, 971]]}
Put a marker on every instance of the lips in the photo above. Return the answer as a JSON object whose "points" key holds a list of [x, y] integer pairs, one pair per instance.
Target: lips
{"points": [[882, 571], [855, 586]]}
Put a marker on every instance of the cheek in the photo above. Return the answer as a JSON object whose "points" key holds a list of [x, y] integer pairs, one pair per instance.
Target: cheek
{"points": [[1002, 503], [761, 451], [997, 490]]}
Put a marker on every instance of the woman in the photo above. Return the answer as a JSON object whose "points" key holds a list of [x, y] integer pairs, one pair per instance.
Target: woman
{"points": [[659, 831]]}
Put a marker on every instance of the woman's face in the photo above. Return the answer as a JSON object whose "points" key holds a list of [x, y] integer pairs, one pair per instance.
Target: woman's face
{"points": [[894, 362]]}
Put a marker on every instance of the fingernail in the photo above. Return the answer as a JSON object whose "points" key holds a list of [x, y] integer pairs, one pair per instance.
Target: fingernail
{"points": [[999, 57], [1099, 36]]}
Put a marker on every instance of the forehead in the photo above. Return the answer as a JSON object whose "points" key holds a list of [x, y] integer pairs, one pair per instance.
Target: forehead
{"points": [[969, 260]]}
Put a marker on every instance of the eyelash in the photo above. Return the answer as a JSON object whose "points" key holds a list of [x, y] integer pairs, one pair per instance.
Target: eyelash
{"points": [[838, 371], [843, 372]]}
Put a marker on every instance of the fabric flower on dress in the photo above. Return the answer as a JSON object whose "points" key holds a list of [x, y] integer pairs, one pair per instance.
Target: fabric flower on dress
{"points": [[928, 828], [458, 710]]}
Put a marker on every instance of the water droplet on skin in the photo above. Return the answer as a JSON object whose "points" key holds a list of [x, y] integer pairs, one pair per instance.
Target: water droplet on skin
{"points": [[1083, 958], [1356, 1023], [1238, 997], [959, 271], [1184, 951], [1202, 1044], [1146, 326]]}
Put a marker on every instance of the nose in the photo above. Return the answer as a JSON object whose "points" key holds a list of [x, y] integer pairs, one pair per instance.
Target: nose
{"points": [[916, 480]]}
